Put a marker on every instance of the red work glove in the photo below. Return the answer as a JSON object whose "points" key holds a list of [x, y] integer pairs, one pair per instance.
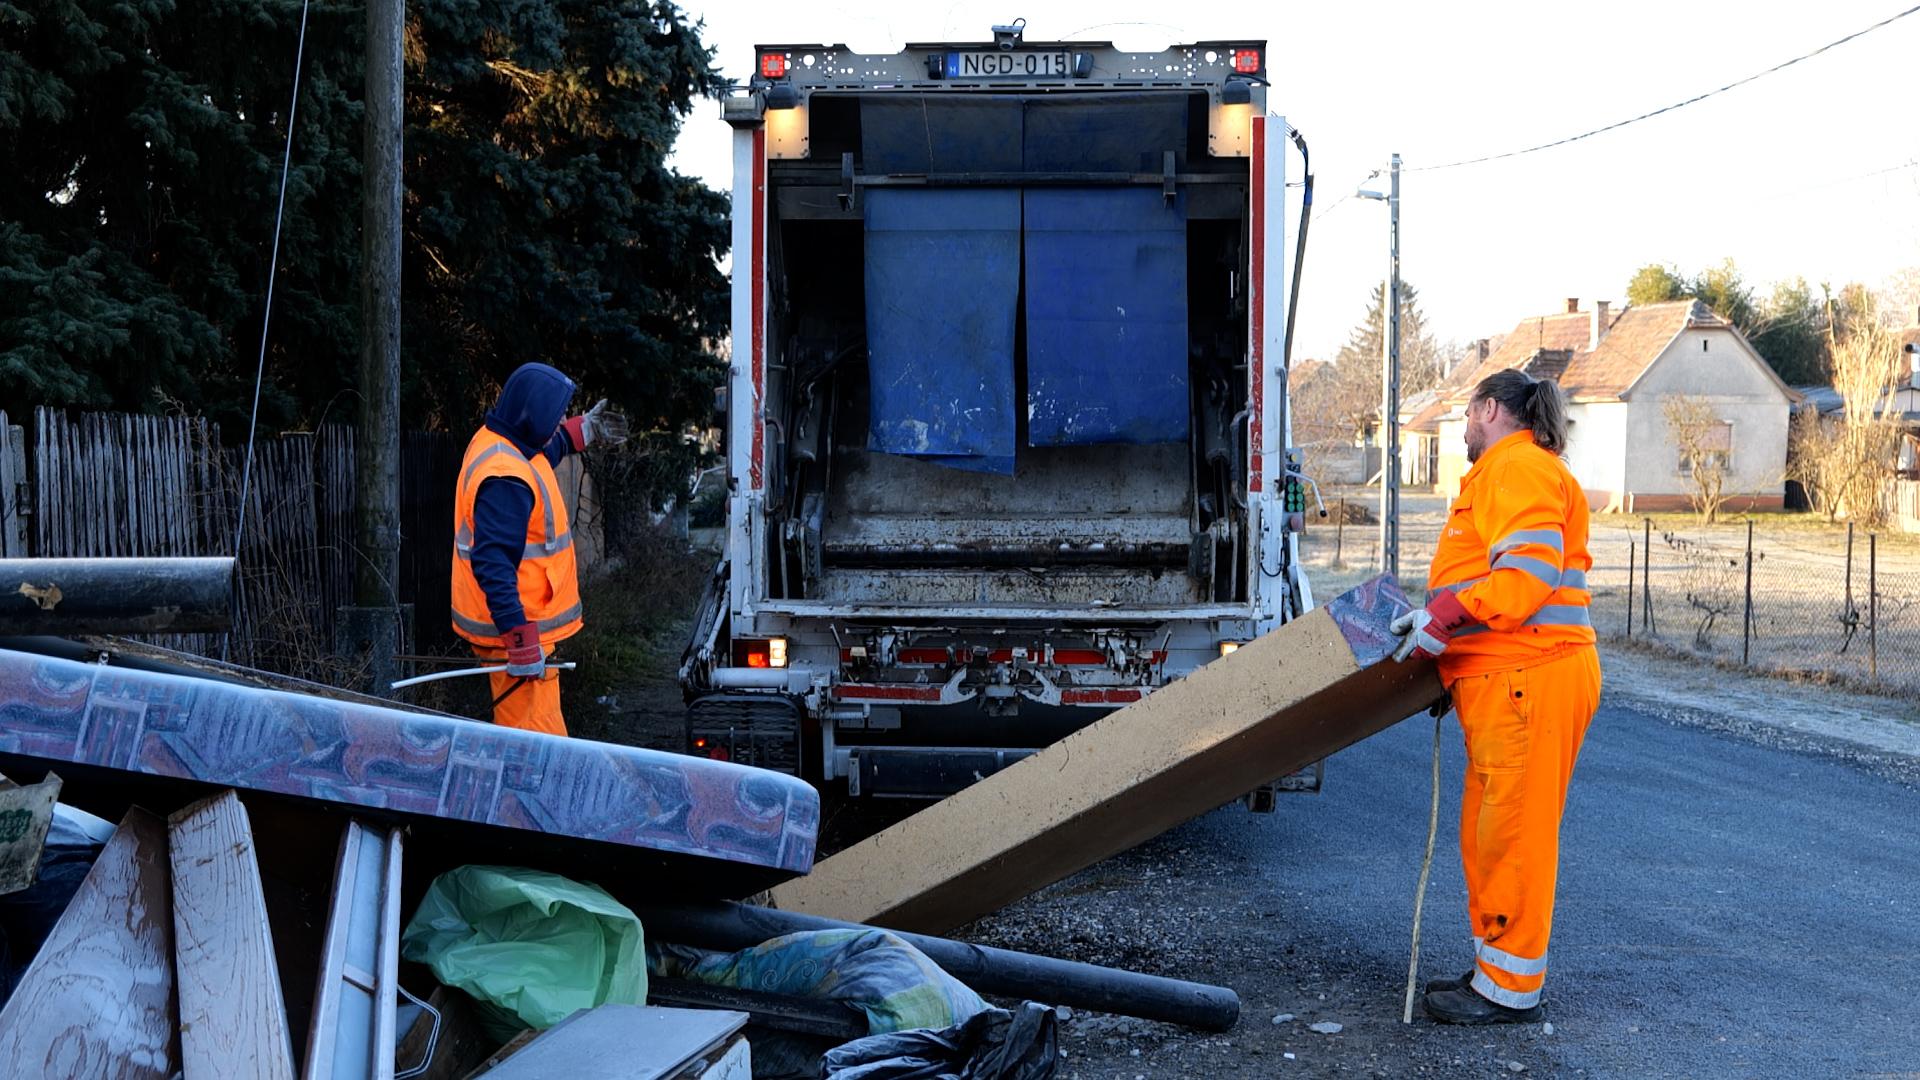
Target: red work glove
{"points": [[1430, 629], [525, 657], [596, 427]]}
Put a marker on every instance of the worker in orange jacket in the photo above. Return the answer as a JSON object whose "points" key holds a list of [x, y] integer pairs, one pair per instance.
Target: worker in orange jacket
{"points": [[1506, 616], [515, 589]]}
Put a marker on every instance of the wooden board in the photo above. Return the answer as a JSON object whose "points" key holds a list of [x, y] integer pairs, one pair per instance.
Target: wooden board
{"points": [[459, 1044], [1284, 701], [98, 998], [25, 815], [232, 1018]]}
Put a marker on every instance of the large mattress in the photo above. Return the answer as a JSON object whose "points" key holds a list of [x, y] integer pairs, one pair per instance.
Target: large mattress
{"points": [[127, 728]]}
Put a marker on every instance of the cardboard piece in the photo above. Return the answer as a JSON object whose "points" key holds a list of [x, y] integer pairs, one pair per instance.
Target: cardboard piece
{"points": [[25, 815], [1314, 686]]}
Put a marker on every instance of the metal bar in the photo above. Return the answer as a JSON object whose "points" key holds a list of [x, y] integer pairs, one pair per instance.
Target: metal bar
{"points": [[723, 925], [1746, 621], [1631, 549], [1873, 605], [360, 960], [1390, 389], [1646, 580], [115, 596], [1046, 179], [1118, 554]]}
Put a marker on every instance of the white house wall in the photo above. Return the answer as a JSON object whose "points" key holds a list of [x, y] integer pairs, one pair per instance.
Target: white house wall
{"points": [[1597, 449], [1732, 380]]}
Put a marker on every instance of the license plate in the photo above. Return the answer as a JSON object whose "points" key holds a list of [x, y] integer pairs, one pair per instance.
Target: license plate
{"points": [[1002, 64]]}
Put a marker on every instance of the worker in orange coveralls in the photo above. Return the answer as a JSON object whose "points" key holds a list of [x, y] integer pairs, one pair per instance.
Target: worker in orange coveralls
{"points": [[515, 590], [1506, 616]]}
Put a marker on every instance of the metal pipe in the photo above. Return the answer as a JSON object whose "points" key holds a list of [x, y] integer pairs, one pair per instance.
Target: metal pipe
{"points": [[492, 669], [1003, 972], [749, 678], [115, 596]]}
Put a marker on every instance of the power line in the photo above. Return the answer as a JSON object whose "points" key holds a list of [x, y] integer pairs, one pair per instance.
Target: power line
{"points": [[266, 312], [1888, 21]]}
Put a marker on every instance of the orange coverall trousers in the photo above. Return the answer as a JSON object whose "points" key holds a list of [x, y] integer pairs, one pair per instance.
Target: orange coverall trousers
{"points": [[534, 706], [1523, 731]]}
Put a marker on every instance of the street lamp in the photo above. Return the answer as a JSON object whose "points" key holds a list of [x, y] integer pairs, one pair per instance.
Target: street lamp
{"points": [[1390, 382]]}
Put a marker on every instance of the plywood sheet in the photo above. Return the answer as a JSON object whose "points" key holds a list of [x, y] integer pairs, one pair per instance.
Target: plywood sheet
{"points": [[1312, 687], [233, 1021], [98, 998]]}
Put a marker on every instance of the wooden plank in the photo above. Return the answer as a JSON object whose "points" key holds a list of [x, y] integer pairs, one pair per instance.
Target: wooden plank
{"points": [[25, 814], [13, 490], [1283, 701], [232, 1020], [352, 1028], [98, 998]]}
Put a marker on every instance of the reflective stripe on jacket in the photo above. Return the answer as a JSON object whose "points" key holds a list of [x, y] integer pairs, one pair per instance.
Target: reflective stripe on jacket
{"points": [[1514, 551], [549, 586]]}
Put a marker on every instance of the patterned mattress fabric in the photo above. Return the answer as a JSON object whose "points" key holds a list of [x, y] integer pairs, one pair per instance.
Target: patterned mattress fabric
{"points": [[1365, 614], [392, 761]]}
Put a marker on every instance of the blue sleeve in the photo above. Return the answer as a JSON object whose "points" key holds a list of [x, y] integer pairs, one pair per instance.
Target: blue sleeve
{"points": [[557, 448], [500, 511]]}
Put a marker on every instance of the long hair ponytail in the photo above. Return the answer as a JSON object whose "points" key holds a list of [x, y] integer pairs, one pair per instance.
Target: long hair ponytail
{"points": [[1538, 403]]}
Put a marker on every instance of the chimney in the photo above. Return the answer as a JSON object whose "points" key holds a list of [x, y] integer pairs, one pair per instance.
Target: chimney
{"points": [[1597, 328], [1573, 305], [1481, 347]]}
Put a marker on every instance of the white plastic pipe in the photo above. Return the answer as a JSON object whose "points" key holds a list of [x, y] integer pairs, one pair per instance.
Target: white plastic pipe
{"points": [[495, 669]]}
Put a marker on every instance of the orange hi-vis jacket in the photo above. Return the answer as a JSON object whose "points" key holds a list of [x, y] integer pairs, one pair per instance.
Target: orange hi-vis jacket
{"points": [[1514, 553], [549, 586]]}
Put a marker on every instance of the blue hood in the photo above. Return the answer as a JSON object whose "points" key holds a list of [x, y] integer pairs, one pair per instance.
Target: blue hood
{"points": [[531, 405]]}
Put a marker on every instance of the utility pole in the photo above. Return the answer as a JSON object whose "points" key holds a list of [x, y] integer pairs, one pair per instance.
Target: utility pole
{"points": [[375, 628], [1390, 381]]}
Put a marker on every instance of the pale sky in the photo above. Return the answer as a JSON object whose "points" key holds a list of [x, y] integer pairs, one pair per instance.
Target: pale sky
{"points": [[1813, 171]]}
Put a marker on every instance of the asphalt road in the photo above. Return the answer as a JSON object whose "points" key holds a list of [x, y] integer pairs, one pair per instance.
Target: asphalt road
{"points": [[1728, 907]]}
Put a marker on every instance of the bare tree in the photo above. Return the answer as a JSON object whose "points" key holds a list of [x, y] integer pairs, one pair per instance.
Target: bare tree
{"points": [[1703, 442], [1862, 451], [1812, 453]]}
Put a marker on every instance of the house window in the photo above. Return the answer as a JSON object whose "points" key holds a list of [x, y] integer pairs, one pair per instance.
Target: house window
{"points": [[1717, 443]]}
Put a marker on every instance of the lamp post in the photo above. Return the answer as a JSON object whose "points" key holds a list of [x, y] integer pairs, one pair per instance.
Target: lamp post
{"points": [[1390, 382]]}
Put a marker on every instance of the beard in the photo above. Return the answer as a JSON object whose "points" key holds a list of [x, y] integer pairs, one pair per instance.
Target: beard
{"points": [[1474, 448]]}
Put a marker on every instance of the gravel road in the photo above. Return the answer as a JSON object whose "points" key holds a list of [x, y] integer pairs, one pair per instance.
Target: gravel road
{"points": [[1737, 899]]}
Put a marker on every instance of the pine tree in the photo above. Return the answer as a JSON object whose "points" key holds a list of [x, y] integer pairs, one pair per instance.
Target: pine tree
{"points": [[144, 142]]}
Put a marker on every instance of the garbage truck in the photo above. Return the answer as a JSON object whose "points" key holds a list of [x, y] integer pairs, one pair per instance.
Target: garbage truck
{"points": [[1006, 425]]}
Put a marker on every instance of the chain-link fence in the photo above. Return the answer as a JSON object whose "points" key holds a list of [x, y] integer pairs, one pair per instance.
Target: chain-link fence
{"points": [[1845, 603]]}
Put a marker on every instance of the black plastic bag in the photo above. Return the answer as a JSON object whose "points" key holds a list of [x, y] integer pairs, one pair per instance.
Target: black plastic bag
{"points": [[992, 1045]]}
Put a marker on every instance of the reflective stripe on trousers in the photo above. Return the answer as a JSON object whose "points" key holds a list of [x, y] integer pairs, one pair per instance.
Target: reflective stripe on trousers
{"points": [[1523, 731]]}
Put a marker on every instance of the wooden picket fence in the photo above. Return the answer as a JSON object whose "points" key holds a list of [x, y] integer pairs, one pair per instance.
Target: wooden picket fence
{"points": [[113, 484]]}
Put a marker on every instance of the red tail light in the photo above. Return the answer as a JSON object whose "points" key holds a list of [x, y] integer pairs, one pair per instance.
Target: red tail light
{"points": [[1246, 61], [774, 65]]}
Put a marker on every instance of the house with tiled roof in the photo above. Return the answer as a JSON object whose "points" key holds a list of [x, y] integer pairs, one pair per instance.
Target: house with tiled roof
{"points": [[1618, 369]]}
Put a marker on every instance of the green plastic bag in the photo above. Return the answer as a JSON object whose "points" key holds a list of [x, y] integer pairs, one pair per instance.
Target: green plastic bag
{"points": [[532, 948]]}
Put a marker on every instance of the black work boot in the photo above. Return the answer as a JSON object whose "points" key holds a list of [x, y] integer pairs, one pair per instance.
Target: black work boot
{"points": [[1434, 986], [1464, 1005]]}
